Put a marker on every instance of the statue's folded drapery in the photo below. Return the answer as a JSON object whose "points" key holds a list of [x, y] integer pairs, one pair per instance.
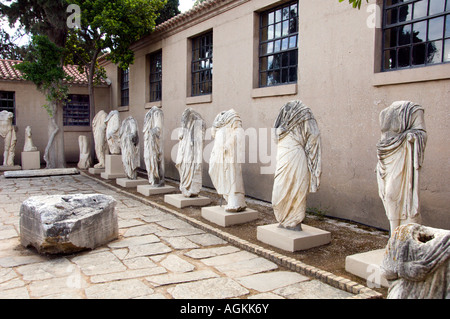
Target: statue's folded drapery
{"points": [[225, 166], [416, 263], [190, 153], [400, 157], [298, 163], [99, 132], [154, 146], [129, 141]]}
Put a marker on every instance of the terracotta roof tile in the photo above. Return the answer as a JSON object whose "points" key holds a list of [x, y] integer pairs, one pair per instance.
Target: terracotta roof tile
{"points": [[9, 73]]}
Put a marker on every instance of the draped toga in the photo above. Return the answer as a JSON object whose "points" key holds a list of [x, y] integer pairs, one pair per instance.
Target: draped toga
{"points": [[190, 153], [298, 167], [154, 146], [400, 156]]}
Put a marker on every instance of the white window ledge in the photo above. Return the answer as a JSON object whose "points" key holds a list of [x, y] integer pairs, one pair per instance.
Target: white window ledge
{"points": [[199, 99], [123, 108], [279, 90], [419, 74], [149, 105]]}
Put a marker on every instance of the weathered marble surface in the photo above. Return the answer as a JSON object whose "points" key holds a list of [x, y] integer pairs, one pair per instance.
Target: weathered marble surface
{"points": [[85, 153], [227, 156], [129, 141], [190, 153], [400, 157], [28, 144], [112, 132], [9, 134], [68, 223], [417, 263], [99, 132], [41, 172], [154, 146], [298, 167]]}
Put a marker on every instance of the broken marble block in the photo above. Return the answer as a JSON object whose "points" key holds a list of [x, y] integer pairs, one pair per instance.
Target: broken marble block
{"points": [[64, 224]]}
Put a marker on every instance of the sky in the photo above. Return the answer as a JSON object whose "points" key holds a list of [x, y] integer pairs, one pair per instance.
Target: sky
{"points": [[185, 5]]}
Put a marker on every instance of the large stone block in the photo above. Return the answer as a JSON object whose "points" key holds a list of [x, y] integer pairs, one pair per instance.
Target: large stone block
{"points": [[61, 224]]}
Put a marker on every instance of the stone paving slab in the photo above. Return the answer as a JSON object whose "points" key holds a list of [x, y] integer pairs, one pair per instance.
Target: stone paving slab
{"points": [[160, 254]]}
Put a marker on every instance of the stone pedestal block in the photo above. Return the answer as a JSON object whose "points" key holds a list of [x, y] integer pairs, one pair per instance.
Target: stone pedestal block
{"points": [[219, 216], [64, 224], [129, 183], [178, 200], [96, 171], [367, 266], [31, 160], [149, 190], [113, 167], [293, 240]]}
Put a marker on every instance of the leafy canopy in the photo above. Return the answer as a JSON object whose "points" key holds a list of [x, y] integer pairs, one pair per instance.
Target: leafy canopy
{"points": [[355, 3]]}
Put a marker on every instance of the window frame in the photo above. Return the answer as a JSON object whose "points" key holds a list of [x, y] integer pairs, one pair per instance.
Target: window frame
{"points": [[74, 112], [155, 77], [291, 53], [6, 108], [203, 44], [411, 45], [124, 87]]}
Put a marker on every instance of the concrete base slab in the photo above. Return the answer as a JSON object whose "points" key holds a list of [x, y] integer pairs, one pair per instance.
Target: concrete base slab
{"points": [[129, 183], [149, 190], [10, 168], [31, 160], [293, 240], [219, 216], [178, 200], [96, 171], [367, 266]]}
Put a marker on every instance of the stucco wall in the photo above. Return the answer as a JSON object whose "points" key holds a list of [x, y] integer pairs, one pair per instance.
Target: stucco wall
{"points": [[29, 111], [337, 80]]}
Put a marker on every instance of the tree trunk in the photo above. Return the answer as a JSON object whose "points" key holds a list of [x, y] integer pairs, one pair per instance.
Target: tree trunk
{"points": [[91, 89], [54, 152]]}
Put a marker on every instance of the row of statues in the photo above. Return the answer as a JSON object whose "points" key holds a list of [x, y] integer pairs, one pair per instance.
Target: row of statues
{"points": [[298, 168]]}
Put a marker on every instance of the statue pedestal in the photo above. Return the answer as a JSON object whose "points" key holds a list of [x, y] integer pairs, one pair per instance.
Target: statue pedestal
{"points": [[293, 240], [367, 266], [129, 183], [10, 168], [96, 171], [219, 216], [178, 200], [149, 190], [113, 167], [31, 160]]}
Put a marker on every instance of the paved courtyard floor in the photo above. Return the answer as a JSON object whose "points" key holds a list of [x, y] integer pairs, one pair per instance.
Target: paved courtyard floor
{"points": [[158, 255]]}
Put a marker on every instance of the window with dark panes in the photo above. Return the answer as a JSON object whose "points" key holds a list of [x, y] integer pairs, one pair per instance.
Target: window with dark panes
{"points": [[8, 103], [202, 64], [124, 87], [415, 33], [77, 110], [278, 45], [156, 76]]}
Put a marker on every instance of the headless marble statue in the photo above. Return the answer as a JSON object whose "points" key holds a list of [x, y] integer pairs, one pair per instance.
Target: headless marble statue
{"points": [[9, 134], [129, 141], [154, 146], [225, 165], [112, 132], [85, 153], [190, 153], [400, 157], [28, 144], [298, 167], [99, 131]]}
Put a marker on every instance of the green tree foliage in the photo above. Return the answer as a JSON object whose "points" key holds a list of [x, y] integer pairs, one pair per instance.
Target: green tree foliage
{"points": [[10, 50], [168, 11], [355, 3], [43, 67]]}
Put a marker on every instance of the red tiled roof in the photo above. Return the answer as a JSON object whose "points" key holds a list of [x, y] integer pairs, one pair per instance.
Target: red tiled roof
{"points": [[9, 73]]}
